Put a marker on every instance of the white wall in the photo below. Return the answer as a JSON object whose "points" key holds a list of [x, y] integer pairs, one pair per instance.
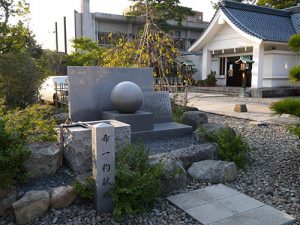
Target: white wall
{"points": [[277, 65], [197, 60]]}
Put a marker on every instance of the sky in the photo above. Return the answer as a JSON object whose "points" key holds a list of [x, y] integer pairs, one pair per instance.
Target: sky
{"points": [[44, 14]]}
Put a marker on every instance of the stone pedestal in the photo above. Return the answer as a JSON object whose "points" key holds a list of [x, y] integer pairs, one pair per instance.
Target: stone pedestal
{"points": [[139, 121], [240, 108]]}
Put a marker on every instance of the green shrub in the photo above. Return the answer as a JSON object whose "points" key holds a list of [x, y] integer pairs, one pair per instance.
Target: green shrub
{"points": [[232, 148], [294, 74], [137, 182], [210, 80], [177, 113], [32, 124], [85, 190], [294, 42], [13, 153], [295, 129], [288, 106]]}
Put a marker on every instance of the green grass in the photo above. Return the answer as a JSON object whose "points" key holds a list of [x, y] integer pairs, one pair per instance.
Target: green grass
{"points": [[287, 106]]}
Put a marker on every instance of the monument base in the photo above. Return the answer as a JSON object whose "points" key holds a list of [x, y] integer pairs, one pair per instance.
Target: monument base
{"points": [[161, 131], [139, 121]]}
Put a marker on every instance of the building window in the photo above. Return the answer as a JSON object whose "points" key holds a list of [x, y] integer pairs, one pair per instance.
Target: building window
{"points": [[179, 43], [222, 66], [192, 41], [103, 38], [177, 34]]}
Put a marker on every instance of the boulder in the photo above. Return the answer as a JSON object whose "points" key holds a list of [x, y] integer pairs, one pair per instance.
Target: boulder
{"points": [[60, 118], [62, 197], [44, 159], [211, 128], [7, 197], [32, 205], [196, 153], [174, 175], [194, 118], [213, 171]]}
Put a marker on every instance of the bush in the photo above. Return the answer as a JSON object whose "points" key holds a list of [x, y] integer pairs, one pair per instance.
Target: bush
{"points": [[294, 74], [210, 80], [32, 124], [295, 129], [294, 42], [85, 190], [289, 106], [13, 154], [232, 148], [20, 79], [137, 182]]}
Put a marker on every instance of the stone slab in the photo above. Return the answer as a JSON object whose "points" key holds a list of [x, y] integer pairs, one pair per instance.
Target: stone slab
{"points": [[221, 205], [162, 130], [159, 104], [139, 121], [90, 88]]}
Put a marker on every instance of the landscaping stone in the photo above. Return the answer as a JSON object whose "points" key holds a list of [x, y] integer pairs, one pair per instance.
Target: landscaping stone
{"points": [[7, 197], [210, 128], [60, 118], [196, 153], [44, 159], [213, 171], [62, 197], [31, 206], [240, 108], [175, 176], [78, 145], [194, 118]]}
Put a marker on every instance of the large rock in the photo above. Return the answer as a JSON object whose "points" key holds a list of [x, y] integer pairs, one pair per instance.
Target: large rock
{"points": [[32, 205], [44, 160], [60, 118], [194, 118], [213, 171], [196, 153], [7, 197], [211, 128], [174, 175], [62, 197], [78, 145]]}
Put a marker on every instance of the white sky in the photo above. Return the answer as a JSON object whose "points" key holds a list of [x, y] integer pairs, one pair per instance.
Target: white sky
{"points": [[44, 13]]}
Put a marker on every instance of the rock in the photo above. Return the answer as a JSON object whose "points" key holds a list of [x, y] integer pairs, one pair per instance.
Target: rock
{"points": [[31, 206], [7, 197], [194, 118], [211, 128], [196, 153], [78, 145], [213, 171], [62, 197], [44, 159], [174, 175], [60, 118]]}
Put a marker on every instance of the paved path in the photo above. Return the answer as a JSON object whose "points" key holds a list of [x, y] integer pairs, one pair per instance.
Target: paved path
{"points": [[221, 205], [257, 111]]}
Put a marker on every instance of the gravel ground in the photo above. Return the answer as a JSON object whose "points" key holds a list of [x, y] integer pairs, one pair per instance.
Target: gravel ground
{"points": [[272, 176]]}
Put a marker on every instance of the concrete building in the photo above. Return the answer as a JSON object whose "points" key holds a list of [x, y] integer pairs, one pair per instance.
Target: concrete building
{"points": [[259, 33], [98, 25]]}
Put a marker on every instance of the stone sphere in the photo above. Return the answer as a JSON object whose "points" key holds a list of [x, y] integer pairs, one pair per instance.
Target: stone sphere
{"points": [[126, 97]]}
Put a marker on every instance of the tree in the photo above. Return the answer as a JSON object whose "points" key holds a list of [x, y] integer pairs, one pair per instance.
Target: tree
{"points": [[160, 11], [11, 8], [217, 3], [278, 4], [87, 53], [294, 44]]}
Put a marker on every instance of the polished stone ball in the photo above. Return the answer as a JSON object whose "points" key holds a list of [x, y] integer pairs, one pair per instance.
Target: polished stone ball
{"points": [[126, 97]]}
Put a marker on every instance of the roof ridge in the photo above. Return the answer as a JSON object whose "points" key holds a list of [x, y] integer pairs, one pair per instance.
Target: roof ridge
{"points": [[256, 8], [242, 25]]}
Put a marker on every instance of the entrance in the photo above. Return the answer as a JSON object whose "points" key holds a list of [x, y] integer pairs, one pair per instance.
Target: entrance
{"points": [[234, 74]]}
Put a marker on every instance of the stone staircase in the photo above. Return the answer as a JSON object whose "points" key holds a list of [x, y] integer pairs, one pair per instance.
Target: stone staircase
{"points": [[229, 91]]}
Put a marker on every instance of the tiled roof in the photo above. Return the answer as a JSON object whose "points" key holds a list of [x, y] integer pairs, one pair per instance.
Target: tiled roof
{"points": [[262, 22]]}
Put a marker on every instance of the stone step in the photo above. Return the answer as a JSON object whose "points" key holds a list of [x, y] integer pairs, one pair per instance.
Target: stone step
{"points": [[162, 130], [221, 205]]}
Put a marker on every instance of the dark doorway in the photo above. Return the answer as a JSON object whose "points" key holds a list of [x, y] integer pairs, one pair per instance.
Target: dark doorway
{"points": [[234, 74]]}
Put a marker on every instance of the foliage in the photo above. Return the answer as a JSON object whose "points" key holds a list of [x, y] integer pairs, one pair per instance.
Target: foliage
{"points": [[137, 182], [294, 74], [160, 11], [288, 106], [216, 4], [278, 4], [177, 112], [12, 8], [88, 53], [13, 153], [20, 79], [85, 190], [210, 80], [32, 124], [295, 129], [294, 42], [53, 63], [232, 148]]}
